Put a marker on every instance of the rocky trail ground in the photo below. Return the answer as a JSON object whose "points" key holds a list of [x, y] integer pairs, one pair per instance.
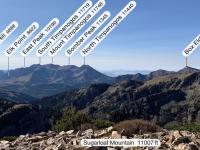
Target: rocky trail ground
{"points": [[70, 140]]}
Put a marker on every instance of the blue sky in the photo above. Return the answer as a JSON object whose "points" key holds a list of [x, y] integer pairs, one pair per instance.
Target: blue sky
{"points": [[151, 37]]}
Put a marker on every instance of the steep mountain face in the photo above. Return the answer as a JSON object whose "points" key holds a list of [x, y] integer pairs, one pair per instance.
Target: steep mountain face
{"points": [[17, 119], [5, 105], [16, 97], [163, 100], [39, 81], [79, 98]]}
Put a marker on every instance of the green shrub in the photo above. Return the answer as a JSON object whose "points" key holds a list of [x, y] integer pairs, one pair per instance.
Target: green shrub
{"points": [[71, 119], [100, 124], [192, 127]]}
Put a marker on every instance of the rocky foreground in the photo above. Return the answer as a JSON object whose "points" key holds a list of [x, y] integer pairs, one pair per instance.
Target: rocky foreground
{"points": [[70, 140]]}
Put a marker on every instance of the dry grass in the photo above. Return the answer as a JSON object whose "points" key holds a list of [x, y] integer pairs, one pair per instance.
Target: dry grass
{"points": [[130, 127], [86, 126]]}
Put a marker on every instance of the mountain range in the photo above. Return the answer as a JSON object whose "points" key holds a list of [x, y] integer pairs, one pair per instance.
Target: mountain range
{"points": [[163, 99], [162, 96], [44, 80], [39, 81]]}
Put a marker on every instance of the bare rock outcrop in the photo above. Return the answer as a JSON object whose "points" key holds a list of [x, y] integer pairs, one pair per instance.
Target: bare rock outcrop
{"points": [[70, 140]]}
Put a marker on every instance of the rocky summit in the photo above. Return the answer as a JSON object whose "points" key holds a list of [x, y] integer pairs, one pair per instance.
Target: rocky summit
{"points": [[70, 140]]}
